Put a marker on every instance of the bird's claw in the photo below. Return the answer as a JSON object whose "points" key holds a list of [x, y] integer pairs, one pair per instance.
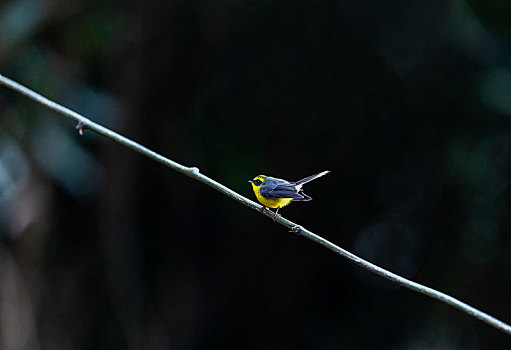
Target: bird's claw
{"points": [[275, 216]]}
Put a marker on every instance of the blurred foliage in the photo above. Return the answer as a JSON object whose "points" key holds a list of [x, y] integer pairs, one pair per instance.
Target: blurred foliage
{"points": [[407, 103]]}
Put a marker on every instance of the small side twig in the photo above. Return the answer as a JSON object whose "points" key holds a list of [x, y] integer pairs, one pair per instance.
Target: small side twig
{"points": [[81, 126], [194, 173]]}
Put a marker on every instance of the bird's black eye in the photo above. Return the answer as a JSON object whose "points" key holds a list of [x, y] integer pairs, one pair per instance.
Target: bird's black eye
{"points": [[257, 182]]}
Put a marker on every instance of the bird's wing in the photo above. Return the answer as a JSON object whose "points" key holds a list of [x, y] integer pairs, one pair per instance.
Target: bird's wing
{"points": [[283, 190]]}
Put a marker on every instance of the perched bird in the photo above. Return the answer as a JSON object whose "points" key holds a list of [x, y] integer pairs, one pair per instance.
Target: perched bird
{"points": [[277, 193]]}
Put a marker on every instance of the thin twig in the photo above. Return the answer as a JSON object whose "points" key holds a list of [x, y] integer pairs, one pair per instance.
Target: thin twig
{"points": [[193, 172]]}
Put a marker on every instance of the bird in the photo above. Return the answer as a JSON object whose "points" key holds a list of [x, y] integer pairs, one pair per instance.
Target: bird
{"points": [[274, 193]]}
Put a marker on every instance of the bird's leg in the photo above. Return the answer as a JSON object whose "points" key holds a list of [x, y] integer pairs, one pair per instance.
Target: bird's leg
{"points": [[276, 213], [262, 209]]}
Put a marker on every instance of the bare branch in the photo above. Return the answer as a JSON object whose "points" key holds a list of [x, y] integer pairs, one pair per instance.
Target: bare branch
{"points": [[193, 172]]}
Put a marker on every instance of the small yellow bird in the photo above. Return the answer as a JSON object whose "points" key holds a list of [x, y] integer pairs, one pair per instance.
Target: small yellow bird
{"points": [[277, 193]]}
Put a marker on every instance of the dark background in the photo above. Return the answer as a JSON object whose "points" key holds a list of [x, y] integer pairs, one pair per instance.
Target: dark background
{"points": [[407, 103]]}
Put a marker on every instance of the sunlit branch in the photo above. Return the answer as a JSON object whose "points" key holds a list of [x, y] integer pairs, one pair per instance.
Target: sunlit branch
{"points": [[193, 172]]}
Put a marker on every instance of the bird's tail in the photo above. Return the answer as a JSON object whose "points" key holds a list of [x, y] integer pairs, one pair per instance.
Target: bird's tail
{"points": [[310, 178]]}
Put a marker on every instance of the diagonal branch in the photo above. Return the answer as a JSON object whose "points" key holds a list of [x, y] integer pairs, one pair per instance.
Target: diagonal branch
{"points": [[85, 123]]}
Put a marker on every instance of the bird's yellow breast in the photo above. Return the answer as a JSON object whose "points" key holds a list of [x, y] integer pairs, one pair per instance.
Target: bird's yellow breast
{"points": [[270, 202]]}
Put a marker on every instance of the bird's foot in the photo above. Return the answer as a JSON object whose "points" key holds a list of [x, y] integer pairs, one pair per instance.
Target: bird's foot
{"points": [[275, 216], [276, 213]]}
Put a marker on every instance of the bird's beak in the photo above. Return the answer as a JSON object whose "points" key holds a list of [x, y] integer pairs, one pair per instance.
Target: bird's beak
{"points": [[250, 181]]}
